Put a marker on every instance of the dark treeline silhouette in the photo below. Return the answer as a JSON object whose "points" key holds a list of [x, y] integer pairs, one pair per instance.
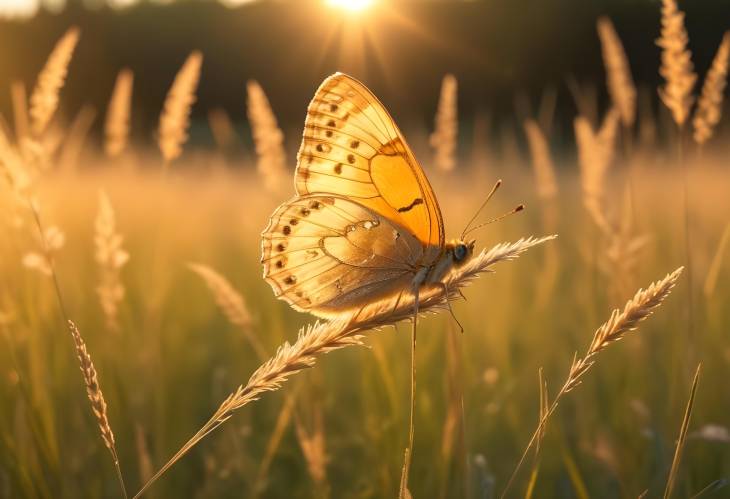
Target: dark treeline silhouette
{"points": [[498, 49]]}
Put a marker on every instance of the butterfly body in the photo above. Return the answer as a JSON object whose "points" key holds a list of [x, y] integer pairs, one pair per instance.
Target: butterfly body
{"points": [[453, 255], [365, 223]]}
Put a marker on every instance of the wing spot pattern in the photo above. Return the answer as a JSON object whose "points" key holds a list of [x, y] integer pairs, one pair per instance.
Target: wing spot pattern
{"points": [[305, 212], [286, 230], [338, 168], [290, 280], [305, 299], [331, 123], [315, 205], [351, 158], [293, 221], [280, 247], [355, 144], [328, 133], [409, 207], [333, 108]]}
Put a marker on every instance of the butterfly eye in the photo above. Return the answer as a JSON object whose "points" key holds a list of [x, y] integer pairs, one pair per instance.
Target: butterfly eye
{"points": [[460, 252]]}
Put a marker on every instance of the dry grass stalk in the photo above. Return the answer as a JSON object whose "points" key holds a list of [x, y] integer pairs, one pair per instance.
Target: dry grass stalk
{"points": [[676, 68], [93, 390], [641, 306], [709, 106], [324, 337], [221, 126], [448, 433], [714, 272], [453, 410], [619, 324], [118, 112], [51, 241], [544, 406], [15, 181], [595, 155], [76, 137], [542, 163], [20, 109], [44, 99], [267, 136], [544, 409], [445, 135], [226, 297], [585, 97], [623, 249], [711, 487], [175, 116], [682, 436], [282, 422], [13, 170], [96, 397], [143, 455], [37, 153], [619, 81], [50, 238], [230, 302], [312, 443], [647, 121], [111, 257]]}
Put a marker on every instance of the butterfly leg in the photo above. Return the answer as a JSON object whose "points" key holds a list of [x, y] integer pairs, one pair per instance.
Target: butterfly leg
{"points": [[445, 291], [404, 493]]}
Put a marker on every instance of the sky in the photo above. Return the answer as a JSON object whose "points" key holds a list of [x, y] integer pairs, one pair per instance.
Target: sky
{"points": [[21, 9], [509, 56]]}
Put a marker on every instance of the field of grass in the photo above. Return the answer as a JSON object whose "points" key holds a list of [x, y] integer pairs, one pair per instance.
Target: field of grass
{"points": [[175, 357], [155, 258]]}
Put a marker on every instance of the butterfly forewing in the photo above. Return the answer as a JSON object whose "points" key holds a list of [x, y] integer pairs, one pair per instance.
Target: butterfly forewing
{"points": [[326, 253], [352, 147]]}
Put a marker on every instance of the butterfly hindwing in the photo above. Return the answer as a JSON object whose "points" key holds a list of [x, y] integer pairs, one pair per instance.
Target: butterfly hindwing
{"points": [[327, 253], [352, 147]]}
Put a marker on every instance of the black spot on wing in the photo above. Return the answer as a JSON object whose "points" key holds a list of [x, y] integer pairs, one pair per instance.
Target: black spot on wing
{"points": [[414, 203]]}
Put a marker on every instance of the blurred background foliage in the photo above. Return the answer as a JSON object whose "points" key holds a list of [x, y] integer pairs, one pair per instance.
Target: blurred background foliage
{"points": [[506, 54]]}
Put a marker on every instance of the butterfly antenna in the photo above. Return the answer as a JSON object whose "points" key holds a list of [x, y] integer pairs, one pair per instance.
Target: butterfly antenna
{"points": [[491, 193], [514, 210]]}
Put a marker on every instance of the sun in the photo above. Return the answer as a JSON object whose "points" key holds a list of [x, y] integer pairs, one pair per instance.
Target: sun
{"points": [[351, 5]]}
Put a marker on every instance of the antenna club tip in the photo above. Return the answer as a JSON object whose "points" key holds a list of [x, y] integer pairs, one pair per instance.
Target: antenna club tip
{"points": [[520, 208]]}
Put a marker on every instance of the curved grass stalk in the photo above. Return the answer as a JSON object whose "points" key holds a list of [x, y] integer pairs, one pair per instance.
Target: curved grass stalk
{"points": [[320, 338]]}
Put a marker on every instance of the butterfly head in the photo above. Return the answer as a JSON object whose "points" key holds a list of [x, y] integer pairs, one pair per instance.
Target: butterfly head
{"points": [[461, 251]]}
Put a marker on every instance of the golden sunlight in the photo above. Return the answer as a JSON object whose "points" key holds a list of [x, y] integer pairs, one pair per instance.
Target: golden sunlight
{"points": [[351, 5], [18, 8]]}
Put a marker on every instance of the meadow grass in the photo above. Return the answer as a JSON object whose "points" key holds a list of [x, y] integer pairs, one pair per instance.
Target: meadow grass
{"points": [[155, 258], [175, 357]]}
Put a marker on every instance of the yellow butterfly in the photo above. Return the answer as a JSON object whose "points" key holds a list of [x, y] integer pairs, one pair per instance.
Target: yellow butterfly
{"points": [[365, 223]]}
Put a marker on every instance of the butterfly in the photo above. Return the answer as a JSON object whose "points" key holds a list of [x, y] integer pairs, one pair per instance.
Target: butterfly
{"points": [[365, 223]]}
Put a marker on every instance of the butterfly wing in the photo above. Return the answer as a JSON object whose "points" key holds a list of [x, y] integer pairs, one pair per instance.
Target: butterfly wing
{"points": [[353, 148], [324, 254]]}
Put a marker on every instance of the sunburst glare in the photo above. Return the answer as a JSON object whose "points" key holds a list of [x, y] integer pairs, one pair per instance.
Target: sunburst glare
{"points": [[351, 5]]}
